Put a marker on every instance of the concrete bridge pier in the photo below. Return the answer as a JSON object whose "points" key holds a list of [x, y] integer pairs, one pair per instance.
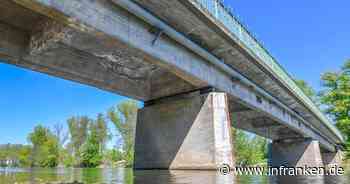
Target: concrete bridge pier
{"points": [[187, 131], [295, 153], [332, 158]]}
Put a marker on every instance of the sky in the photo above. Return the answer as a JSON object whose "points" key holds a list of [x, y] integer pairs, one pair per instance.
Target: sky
{"points": [[308, 38]]}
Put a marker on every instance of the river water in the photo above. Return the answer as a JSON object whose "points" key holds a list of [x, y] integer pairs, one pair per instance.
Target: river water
{"points": [[128, 176]]}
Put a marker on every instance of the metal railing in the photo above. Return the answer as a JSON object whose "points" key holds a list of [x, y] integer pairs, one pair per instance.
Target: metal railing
{"points": [[221, 13]]}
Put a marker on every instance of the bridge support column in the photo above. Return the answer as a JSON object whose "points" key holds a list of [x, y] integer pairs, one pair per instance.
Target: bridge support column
{"points": [[332, 158], [190, 131], [295, 153]]}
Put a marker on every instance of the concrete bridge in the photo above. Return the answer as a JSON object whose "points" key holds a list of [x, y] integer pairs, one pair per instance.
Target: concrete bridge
{"points": [[197, 69]]}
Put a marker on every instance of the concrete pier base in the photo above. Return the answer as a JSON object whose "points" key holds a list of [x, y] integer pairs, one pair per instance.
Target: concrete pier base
{"points": [[189, 131], [332, 158], [295, 153]]}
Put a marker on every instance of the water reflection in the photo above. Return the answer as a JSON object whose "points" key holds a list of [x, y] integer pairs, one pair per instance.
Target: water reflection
{"points": [[176, 177], [211, 177], [128, 176]]}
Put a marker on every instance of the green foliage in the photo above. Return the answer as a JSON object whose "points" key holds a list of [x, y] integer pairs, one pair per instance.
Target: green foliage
{"points": [[19, 153], [124, 119], [23, 156], [62, 137], [49, 153], [336, 98], [67, 158], [45, 151], [91, 156], [249, 150], [93, 148], [78, 129], [113, 156], [39, 136], [102, 135]]}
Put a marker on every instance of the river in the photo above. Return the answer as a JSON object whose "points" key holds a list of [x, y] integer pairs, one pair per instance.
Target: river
{"points": [[128, 176]]}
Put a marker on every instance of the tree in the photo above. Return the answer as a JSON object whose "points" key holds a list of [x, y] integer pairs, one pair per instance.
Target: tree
{"points": [[49, 153], [91, 155], [113, 155], [78, 129], [59, 132], [102, 132], [62, 138], [124, 118], [45, 147], [37, 138], [336, 98], [249, 150], [24, 155], [16, 152]]}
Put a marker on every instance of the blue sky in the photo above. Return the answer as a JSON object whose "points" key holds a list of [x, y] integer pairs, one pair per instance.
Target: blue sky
{"points": [[307, 37]]}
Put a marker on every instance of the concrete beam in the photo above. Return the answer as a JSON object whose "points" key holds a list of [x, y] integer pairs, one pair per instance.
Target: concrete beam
{"points": [[264, 123], [126, 74], [61, 51], [52, 57], [13, 42], [164, 83], [114, 57], [117, 58], [261, 125]]}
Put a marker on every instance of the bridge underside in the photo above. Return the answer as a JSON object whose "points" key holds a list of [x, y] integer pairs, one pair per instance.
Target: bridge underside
{"points": [[34, 41], [102, 45]]}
